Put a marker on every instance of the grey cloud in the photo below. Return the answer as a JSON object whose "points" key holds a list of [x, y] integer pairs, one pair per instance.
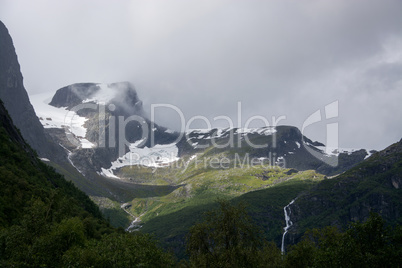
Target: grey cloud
{"points": [[276, 57], [388, 76]]}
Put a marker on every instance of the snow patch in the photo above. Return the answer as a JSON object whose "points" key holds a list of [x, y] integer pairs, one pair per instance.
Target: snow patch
{"points": [[208, 134], [279, 159], [369, 153], [108, 173], [336, 151], [160, 155], [267, 131], [194, 144]]}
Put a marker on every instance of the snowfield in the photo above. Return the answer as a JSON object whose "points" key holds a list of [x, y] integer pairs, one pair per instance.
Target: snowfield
{"points": [[160, 155], [52, 117]]}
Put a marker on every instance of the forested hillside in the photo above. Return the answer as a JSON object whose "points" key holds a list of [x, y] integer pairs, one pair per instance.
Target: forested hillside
{"points": [[47, 221]]}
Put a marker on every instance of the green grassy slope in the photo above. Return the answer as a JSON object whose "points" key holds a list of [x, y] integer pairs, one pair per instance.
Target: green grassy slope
{"points": [[170, 221]]}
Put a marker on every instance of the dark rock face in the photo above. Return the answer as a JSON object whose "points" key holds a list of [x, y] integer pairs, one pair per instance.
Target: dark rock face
{"points": [[16, 101], [73, 95], [122, 95]]}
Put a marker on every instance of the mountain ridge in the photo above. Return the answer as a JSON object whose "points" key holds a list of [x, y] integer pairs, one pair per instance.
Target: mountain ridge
{"points": [[290, 143]]}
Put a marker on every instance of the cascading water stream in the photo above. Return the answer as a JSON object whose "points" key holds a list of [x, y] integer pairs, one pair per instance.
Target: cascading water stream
{"points": [[288, 224]]}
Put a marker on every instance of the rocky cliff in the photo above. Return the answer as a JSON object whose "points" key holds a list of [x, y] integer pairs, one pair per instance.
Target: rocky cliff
{"points": [[16, 101]]}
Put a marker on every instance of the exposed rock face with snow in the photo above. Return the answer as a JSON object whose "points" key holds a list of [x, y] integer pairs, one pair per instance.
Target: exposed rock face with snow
{"points": [[101, 125], [106, 129], [284, 146]]}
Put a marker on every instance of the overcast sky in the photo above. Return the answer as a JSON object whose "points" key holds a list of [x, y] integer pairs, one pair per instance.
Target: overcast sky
{"points": [[278, 58]]}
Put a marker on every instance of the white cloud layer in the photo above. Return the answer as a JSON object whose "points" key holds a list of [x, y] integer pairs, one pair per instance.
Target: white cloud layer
{"points": [[277, 57]]}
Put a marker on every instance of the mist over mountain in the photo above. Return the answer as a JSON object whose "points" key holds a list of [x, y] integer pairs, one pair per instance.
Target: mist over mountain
{"points": [[122, 95]]}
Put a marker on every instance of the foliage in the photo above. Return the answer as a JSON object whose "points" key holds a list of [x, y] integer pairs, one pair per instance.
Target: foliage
{"points": [[119, 250], [228, 238], [367, 244]]}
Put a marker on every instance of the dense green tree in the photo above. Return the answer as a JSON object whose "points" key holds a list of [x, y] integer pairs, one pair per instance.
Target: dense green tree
{"points": [[228, 238], [367, 244], [119, 250]]}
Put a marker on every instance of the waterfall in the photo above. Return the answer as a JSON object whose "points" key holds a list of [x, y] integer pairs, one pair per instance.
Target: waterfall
{"points": [[135, 224], [288, 224]]}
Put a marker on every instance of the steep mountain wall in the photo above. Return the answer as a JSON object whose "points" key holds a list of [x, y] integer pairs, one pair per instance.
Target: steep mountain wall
{"points": [[16, 100]]}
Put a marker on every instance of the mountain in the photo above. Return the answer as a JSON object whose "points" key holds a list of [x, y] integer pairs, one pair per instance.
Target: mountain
{"points": [[284, 146], [125, 158], [99, 122], [372, 186], [16, 101], [105, 129]]}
